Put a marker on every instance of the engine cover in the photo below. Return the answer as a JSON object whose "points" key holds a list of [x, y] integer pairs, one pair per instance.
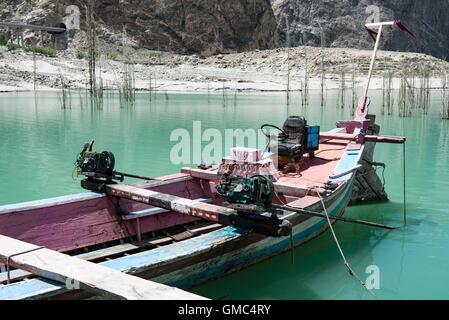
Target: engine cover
{"points": [[257, 191]]}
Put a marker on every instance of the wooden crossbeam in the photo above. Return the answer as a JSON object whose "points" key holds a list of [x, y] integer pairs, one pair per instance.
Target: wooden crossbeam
{"points": [[262, 223], [62, 268], [153, 211], [368, 138], [189, 207]]}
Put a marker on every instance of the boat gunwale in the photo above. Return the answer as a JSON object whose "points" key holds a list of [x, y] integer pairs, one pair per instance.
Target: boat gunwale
{"points": [[82, 196]]}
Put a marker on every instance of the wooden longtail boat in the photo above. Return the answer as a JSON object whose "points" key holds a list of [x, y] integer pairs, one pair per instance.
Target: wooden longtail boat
{"points": [[173, 248], [187, 235]]}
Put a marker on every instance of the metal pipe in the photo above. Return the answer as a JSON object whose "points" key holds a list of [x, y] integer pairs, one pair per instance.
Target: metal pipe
{"points": [[32, 27], [320, 215], [129, 175], [378, 24], [368, 138], [373, 59]]}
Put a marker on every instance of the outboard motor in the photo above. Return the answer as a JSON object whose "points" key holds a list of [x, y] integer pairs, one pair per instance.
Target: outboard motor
{"points": [[97, 167]]}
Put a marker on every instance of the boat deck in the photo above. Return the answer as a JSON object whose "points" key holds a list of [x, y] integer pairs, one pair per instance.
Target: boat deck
{"points": [[316, 170]]}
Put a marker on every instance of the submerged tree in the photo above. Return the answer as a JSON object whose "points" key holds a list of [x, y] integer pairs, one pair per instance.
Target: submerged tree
{"points": [[323, 72], [92, 45], [444, 96]]}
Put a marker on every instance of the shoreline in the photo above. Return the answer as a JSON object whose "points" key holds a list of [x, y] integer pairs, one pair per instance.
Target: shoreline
{"points": [[231, 87], [255, 71]]}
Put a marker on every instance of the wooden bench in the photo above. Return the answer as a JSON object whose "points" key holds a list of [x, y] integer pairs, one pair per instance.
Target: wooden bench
{"points": [[99, 279]]}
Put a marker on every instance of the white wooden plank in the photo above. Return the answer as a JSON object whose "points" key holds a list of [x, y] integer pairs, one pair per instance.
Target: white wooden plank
{"points": [[154, 211], [17, 275], [59, 267]]}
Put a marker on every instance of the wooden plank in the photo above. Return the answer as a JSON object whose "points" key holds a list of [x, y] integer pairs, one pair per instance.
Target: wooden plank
{"points": [[227, 216], [386, 139], [202, 174], [108, 252], [17, 274], [62, 268], [368, 138], [205, 229], [173, 203], [41, 289], [14, 275], [153, 211], [84, 196]]}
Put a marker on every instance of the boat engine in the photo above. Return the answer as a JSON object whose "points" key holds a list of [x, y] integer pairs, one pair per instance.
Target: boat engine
{"points": [[97, 167], [252, 199], [247, 193]]}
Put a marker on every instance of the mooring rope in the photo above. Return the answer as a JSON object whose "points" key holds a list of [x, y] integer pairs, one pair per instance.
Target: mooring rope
{"points": [[346, 263]]}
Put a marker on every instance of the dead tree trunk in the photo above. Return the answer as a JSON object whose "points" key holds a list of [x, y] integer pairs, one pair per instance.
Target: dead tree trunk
{"points": [[92, 44]]}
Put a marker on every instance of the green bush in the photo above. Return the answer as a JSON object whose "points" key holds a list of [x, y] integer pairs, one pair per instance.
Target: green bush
{"points": [[3, 40], [80, 54], [111, 55], [49, 52], [12, 46]]}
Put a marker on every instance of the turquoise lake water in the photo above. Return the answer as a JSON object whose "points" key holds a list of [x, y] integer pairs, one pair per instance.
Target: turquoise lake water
{"points": [[39, 142]]}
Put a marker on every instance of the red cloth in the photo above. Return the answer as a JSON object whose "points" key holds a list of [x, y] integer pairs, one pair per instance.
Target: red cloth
{"points": [[404, 28], [373, 33]]}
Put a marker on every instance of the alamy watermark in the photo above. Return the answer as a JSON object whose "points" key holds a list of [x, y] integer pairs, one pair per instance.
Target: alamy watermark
{"points": [[374, 14], [198, 146], [372, 282], [72, 284], [72, 19]]}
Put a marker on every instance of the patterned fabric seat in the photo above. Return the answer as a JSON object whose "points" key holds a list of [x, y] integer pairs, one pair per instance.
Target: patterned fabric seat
{"points": [[293, 143]]}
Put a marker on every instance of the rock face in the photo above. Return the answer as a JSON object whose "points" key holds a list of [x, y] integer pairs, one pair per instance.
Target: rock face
{"points": [[184, 26], [342, 22], [208, 27]]}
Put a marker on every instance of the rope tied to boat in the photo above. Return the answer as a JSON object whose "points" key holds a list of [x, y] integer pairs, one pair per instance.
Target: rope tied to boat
{"points": [[346, 263]]}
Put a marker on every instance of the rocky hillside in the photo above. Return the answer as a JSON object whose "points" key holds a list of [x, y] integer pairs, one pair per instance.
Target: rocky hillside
{"points": [[184, 26], [342, 22], [208, 27]]}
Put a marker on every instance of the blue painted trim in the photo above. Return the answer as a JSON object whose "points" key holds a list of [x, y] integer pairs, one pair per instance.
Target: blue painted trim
{"points": [[83, 196], [255, 256], [349, 160]]}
